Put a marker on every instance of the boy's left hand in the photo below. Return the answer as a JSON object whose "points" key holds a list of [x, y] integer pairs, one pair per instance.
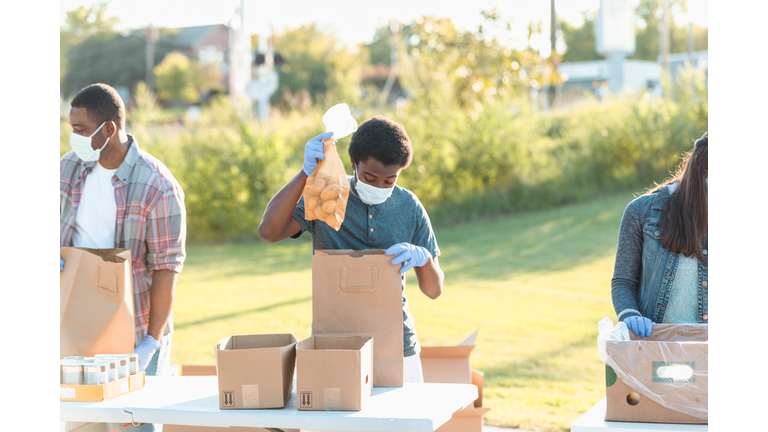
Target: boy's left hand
{"points": [[416, 256]]}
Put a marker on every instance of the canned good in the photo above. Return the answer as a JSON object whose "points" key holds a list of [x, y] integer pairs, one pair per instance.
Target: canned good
{"points": [[71, 372], [121, 363], [96, 373], [105, 355], [112, 373], [74, 358], [133, 362]]}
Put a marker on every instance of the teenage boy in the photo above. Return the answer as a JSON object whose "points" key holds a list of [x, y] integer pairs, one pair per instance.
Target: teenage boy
{"points": [[379, 215]]}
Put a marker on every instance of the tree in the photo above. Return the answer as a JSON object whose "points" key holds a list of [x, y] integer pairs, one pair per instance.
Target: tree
{"points": [[177, 78], [446, 66], [83, 23], [580, 41], [647, 35], [317, 63]]}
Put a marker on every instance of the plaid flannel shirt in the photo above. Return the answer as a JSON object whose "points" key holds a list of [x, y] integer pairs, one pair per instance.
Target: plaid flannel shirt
{"points": [[151, 220]]}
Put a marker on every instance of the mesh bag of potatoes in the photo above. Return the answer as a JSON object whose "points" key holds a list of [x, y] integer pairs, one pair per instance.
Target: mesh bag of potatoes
{"points": [[327, 189]]}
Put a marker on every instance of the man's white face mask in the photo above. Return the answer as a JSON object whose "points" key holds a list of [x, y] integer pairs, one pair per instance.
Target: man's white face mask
{"points": [[83, 148], [371, 194]]}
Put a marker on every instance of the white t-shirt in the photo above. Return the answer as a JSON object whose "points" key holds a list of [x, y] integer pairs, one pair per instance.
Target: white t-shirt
{"points": [[97, 213]]}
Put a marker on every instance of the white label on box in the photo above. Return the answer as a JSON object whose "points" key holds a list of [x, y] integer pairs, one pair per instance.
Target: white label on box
{"points": [[68, 393], [250, 395], [332, 399], [124, 387]]}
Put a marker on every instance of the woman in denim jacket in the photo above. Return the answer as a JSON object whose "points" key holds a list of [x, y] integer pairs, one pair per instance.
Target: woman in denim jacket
{"points": [[660, 274]]}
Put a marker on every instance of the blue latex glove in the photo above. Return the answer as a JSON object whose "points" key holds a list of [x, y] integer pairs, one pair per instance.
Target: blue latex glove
{"points": [[61, 264], [640, 326], [145, 350], [313, 152], [416, 256]]}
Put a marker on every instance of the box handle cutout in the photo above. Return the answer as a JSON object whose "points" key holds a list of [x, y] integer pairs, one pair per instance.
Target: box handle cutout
{"points": [[633, 398], [343, 277]]}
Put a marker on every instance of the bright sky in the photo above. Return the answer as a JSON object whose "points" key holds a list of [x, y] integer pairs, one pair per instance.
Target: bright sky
{"points": [[352, 21]]}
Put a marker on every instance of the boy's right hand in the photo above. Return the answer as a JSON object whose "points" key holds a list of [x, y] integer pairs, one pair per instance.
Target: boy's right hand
{"points": [[313, 152]]}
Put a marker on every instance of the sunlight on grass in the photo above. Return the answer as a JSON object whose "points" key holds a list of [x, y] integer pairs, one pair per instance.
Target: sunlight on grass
{"points": [[536, 284]]}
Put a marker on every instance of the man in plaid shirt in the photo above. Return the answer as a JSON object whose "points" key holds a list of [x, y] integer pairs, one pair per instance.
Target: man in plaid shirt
{"points": [[114, 195]]}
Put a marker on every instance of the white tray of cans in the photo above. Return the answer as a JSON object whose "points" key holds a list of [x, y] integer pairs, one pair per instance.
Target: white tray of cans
{"points": [[98, 378]]}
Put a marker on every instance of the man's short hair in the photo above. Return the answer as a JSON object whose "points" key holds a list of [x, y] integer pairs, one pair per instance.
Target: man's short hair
{"points": [[103, 104], [382, 139]]}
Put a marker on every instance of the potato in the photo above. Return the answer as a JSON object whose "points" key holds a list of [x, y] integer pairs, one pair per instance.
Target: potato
{"points": [[329, 206], [331, 220], [322, 175], [309, 214], [314, 202], [342, 205], [317, 187], [320, 214], [330, 191]]}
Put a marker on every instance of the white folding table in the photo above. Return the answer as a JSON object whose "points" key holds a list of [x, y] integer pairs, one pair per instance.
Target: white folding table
{"points": [[594, 421], [194, 401]]}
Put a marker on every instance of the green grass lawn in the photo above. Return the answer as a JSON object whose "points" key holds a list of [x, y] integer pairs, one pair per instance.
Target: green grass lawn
{"points": [[536, 284]]}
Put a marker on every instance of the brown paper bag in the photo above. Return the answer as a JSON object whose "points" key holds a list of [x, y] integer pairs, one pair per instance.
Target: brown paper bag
{"points": [[96, 310], [359, 293]]}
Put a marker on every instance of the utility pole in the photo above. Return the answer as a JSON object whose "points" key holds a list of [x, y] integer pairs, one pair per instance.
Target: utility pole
{"points": [[553, 51], [394, 30], [690, 39], [665, 38], [150, 61]]}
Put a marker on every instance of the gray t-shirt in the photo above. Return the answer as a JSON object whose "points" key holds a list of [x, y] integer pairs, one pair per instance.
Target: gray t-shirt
{"points": [[401, 218]]}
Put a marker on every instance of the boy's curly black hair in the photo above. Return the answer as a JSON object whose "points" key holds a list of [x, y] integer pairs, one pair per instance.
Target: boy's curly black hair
{"points": [[103, 104], [382, 139]]}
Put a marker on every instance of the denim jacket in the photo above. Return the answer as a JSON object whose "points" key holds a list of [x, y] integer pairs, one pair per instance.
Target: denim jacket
{"points": [[645, 271]]}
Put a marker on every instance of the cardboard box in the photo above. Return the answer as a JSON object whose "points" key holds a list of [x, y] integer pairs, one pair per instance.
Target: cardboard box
{"points": [[448, 364], [359, 293], [468, 420], [334, 373], [451, 365], [255, 371], [681, 345], [477, 380], [102, 392]]}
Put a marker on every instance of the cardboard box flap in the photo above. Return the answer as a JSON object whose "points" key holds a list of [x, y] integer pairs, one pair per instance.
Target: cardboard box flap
{"points": [[470, 340], [675, 333], [333, 343], [446, 352], [243, 342], [350, 252]]}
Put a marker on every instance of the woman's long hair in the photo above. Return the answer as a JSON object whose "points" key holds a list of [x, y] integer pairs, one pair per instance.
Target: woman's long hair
{"points": [[684, 219]]}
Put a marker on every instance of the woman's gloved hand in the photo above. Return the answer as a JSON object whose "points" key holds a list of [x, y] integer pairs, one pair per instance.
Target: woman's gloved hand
{"points": [[640, 326]]}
